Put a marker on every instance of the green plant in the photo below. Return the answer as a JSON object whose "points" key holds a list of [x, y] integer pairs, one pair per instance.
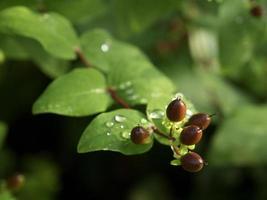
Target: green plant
{"points": [[126, 75]]}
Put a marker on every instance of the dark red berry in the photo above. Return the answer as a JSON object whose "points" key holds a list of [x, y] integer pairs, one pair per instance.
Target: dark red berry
{"points": [[192, 162], [15, 182], [191, 135], [201, 120], [140, 135], [256, 11], [176, 110]]}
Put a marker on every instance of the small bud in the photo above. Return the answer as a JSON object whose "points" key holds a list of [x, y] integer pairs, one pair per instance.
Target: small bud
{"points": [[192, 162], [140, 135], [15, 182], [201, 120], [176, 110], [191, 135], [256, 11]]}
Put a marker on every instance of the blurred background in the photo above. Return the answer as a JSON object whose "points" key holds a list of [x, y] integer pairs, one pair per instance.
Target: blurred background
{"points": [[215, 52]]}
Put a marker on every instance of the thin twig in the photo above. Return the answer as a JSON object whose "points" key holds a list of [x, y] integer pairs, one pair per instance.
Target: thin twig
{"points": [[82, 58], [158, 132], [116, 98]]}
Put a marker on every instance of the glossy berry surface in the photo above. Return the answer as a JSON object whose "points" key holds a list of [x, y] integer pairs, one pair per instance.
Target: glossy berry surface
{"points": [[201, 120], [256, 11], [191, 135], [176, 110], [192, 162], [140, 135]]}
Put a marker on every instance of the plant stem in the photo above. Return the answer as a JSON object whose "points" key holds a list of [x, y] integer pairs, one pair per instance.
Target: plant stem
{"points": [[175, 149], [116, 98], [158, 132], [82, 58]]}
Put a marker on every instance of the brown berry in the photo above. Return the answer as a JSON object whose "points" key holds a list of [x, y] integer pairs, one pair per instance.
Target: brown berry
{"points": [[201, 120], [192, 162], [176, 110], [256, 11], [140, 135], [191, 135], [15, 182]]}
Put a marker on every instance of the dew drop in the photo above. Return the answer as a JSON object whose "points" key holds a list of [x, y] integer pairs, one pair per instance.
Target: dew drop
{"points": [[156, 114], [104, 47], [108, 133], [109, 124], [119, 118], [129, 91], [143, 100], [128, 84], [122, 86], [125, 134], [143, 121], [178, 95], [121, 126], [133, 97]]}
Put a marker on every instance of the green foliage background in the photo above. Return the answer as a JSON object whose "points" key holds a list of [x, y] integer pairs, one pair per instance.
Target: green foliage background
{"points": [[214, 52]]}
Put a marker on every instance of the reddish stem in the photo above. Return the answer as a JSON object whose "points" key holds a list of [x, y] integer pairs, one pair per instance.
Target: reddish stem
{"points": [[82, 58], [158, 132], [116, 98]]}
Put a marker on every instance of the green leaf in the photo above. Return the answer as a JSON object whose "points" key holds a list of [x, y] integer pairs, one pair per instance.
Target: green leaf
{"points": [[3, 131], [134, 16], [9, 3], [241, 139], [81, 11], [111, 131], [6, 195], [42, 179], [21, 48], [53, 31], [128, 69], [106, 53], [79, 93]]}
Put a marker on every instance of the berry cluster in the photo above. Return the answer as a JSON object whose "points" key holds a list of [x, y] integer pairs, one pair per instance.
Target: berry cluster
{"points": [[256, 10], [184, 134]]}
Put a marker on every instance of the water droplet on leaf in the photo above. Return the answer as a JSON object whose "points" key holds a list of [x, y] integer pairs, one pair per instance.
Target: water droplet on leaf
{"points": [[104, 47], [156, 114], [133, 97], [119, 118], [143, 121], [109, 124], [121, 126], [108, 133], [143, 100], [129, 91], [125, 134]]}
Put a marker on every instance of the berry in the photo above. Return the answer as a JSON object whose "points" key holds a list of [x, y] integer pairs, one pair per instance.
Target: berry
{"points": [[256, 11], [191, 135], [176, 110], [15, 182], [201, 120], [192, 162], [140, 135]]}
